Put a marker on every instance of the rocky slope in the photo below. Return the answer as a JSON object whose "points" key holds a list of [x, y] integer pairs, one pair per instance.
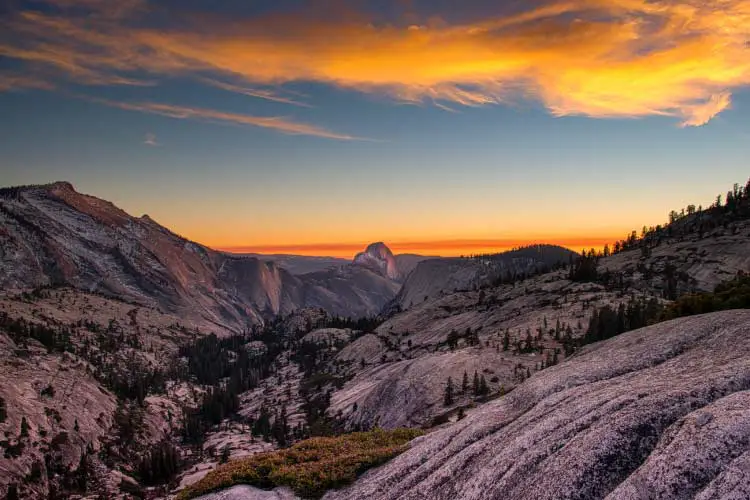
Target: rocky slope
{"points": [[53, 235], [411, 348], [661, 412], [433, 277], [71, 390], [300, 264]]}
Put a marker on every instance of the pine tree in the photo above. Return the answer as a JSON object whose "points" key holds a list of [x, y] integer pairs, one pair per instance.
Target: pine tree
{"points": [[448, 398], [24, 427], [12, 492], [465, 383], [82, 474], [476, 384], [483, 388]]}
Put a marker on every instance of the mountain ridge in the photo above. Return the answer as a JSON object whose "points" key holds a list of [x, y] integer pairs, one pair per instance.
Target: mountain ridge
{"points": [[54, 235]]}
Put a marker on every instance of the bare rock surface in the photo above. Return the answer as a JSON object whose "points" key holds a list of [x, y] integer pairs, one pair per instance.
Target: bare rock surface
{"points": [[74, 413], [660, 412], [328, 336], [249, 493], [408, 358], [409, 393], [704, 260]]}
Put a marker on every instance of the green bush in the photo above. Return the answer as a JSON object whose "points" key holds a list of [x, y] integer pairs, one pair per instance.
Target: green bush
{"points": [[310, 467]]}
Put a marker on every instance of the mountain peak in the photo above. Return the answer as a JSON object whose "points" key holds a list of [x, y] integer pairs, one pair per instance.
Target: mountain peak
{"points": [[378, 248], [379, 258]]}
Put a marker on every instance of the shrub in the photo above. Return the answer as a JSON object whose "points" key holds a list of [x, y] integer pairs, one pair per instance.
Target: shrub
{"points": [[441, 419], [310, 467], [59, 440]]}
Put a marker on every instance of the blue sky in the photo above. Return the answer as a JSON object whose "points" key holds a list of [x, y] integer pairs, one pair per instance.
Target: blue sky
{"points": [[402, 139]]}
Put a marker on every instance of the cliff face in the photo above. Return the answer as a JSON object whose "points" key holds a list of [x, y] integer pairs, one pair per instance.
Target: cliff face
{"points": [[660, 412]]}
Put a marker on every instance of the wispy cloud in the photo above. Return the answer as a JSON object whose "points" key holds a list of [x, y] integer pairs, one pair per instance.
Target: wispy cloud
{"points": [[19, 82], [150, 140], [267, 94], [277, 123], [596, 58]]}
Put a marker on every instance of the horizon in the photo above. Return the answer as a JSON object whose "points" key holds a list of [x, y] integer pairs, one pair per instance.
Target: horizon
{"points": [[434, 248], [455, 248], [316, 127]]}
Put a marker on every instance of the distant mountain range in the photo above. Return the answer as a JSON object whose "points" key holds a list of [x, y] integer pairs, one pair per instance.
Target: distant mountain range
{"points": [[400, 267]]}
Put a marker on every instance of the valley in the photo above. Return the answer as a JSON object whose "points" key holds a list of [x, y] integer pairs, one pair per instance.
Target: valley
{"points": [[139, 364]]}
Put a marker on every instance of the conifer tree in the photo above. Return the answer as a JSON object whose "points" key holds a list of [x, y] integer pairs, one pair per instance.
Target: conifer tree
{"points": [[483, 388], [448, 398], [24, 427]]}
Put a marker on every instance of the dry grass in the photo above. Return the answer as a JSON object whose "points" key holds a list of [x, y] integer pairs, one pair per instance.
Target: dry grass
{"points": [[310, 467]]}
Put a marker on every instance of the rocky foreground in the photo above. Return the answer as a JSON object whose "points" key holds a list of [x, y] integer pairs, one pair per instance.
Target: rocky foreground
{"points": [[660, 412]]}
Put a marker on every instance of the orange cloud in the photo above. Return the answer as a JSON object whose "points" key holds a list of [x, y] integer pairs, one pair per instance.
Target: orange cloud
{"points": [[597, 58]]}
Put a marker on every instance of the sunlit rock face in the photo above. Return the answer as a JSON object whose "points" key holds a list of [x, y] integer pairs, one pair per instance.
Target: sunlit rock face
{"points": [[660, 412], [379, 258]]}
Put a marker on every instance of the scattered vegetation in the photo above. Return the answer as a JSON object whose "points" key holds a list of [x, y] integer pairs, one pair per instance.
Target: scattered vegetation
{"points": [[734, 294], [607, 321], [228, 369], [21, 331], [693, 220], [160, 464], [310, 467]]}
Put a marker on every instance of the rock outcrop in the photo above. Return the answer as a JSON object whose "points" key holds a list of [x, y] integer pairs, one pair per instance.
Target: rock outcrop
{"points": [[250, 493], [660, 412], [380, 259]]}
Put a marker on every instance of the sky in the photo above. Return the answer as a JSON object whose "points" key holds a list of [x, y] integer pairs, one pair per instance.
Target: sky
{"points": [[442, 127]]}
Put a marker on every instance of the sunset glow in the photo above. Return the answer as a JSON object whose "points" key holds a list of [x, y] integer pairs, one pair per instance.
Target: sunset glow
{"points": [[451, 248]]}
